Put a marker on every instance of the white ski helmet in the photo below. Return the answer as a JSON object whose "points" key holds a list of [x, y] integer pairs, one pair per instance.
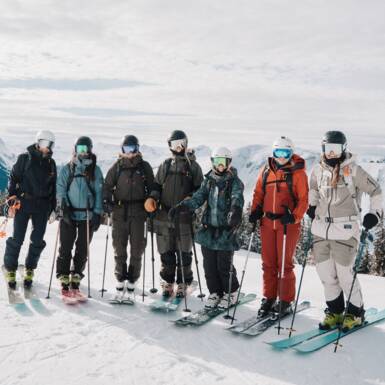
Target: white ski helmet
{"points": [[284, 144], [221, 155], [46, 138]]}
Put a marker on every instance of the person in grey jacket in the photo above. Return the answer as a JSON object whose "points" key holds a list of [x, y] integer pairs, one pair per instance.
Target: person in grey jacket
{"points": [[178, 177], [336, 187], [79, 196]]}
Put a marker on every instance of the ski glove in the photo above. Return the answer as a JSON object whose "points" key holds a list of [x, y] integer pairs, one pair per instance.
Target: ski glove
{"points": [[311, 212], [256, 215], [234, 217], [370, 220], [175, 211], [150, 205], [287, 219], [95, 222], [107, 206]]}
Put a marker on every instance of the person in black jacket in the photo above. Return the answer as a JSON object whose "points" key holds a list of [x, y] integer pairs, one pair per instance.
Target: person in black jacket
{"points": [[32, 182]]}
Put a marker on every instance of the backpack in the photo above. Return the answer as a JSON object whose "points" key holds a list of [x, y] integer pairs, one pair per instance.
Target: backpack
{"points": [[139, 168], [288, 180], [72, 176]]}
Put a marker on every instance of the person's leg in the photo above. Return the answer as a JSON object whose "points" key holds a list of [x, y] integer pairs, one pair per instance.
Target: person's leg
{"points": [[213, 280], [37, 245], [137, 245], [269, 262], [119, 242], [224, 259]]}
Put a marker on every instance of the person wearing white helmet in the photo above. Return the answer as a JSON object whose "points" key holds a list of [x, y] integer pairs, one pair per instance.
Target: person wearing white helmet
{"points": [[280, 201], [222, 192], [32, 186]]}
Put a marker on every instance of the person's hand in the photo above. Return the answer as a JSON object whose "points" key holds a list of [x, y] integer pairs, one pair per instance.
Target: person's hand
{"points": [[256, 215], [370, 220], [95, 222], [234, 217], [107, 206], [311, 212], [287, 219], [150, 205]]}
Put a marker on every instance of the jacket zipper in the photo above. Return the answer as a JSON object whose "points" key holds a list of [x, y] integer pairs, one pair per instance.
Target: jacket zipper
{"points": [[274, 201], [329, 217]]}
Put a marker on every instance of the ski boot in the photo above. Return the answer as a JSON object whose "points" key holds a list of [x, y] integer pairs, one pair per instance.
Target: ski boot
{"points": [[74, 285], [130, 291], [351, 321], [212, 301], [28, 278], [168, 289], [66, 293], [181, 290], [267, 305], [224, 303], [282, 308], [11, 279], [119, 291], [331, 320]]}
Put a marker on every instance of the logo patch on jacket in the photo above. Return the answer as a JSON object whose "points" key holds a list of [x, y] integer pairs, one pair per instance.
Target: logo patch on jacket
{"points": [[347, 226]]}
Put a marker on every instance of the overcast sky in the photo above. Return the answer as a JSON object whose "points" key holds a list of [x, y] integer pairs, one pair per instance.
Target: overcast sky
{"points": [[228, 72]]}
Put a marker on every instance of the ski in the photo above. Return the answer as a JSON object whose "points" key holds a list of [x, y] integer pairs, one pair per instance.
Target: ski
{"points": [[14, 296], [308, 335], [166, 304], [241, 326], [315, 344], [270, 321], [204, 315]]}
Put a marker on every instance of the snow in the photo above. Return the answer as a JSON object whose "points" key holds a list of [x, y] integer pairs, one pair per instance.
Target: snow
{"points": [[97, 343]]}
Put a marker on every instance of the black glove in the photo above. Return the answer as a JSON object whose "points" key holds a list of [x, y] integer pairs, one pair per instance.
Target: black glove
{"points": [[256, 215], [64, 212], [95, 222], [311, 212], [370, 220], [107, 206], [175, 211], [287, 219], [234, 217]]}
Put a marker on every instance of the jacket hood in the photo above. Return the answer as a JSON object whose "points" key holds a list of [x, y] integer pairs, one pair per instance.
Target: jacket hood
{"points": [[130, 162]]}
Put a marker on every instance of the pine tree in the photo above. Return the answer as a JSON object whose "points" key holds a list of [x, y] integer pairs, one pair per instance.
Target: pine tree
{"points": [[379, 249]]}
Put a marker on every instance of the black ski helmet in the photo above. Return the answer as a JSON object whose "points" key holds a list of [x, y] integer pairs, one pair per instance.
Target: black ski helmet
{"points": [[334, 137], [177, 135], [130, 140], [85, 141]]}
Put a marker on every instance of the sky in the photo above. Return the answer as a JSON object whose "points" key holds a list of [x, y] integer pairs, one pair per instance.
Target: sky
{"points": [[228, 72]]}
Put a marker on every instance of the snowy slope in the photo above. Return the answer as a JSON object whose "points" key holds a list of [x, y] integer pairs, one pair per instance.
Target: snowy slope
{"points": [[97, 344]]}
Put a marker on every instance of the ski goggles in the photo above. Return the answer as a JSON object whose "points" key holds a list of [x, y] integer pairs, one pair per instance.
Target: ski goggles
{"points": [[177, 145], [43, 143], [130, 148], [285, 153], [220, 161], [336, 148], [81, 149]]}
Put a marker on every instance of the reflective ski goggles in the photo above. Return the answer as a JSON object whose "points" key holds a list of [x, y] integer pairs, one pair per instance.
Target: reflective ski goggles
{"points": [[336, 148], [220, 160], [178, 145], [130, 149], [285, 153], [43, 143], [81, 149]]}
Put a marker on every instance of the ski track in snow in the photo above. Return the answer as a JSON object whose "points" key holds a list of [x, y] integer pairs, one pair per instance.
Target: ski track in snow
{"points": [[97, 343]]}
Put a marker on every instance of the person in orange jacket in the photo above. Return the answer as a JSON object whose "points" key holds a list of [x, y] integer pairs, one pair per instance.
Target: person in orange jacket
{"points": [[280, 200]]}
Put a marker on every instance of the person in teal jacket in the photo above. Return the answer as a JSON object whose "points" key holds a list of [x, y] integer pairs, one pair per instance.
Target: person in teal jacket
{"points": [[222, 191], [79, 196]]}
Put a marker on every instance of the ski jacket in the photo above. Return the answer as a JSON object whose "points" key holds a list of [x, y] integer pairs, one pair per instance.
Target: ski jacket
{"points": [[33, 181], [79, 189], [177, 178], [127, 185], [337, 216], [220, 193], [281, 187]]}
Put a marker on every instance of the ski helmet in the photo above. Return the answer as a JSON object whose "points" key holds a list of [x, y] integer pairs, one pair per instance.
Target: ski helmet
{"points": [[45, 138], [130, 143], [334, 141], [83, 145], [177, 139], [283, 147], [221, 156]]}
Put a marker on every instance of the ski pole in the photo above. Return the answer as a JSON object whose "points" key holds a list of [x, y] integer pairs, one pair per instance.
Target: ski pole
{"points": [[228, 316], [53, 259], [201, 295], [102, 290], [179, 252], [154, 289], [144, 258], [364, 235], [308, 246], [281, 276], [244, 270], [88, 251]]}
